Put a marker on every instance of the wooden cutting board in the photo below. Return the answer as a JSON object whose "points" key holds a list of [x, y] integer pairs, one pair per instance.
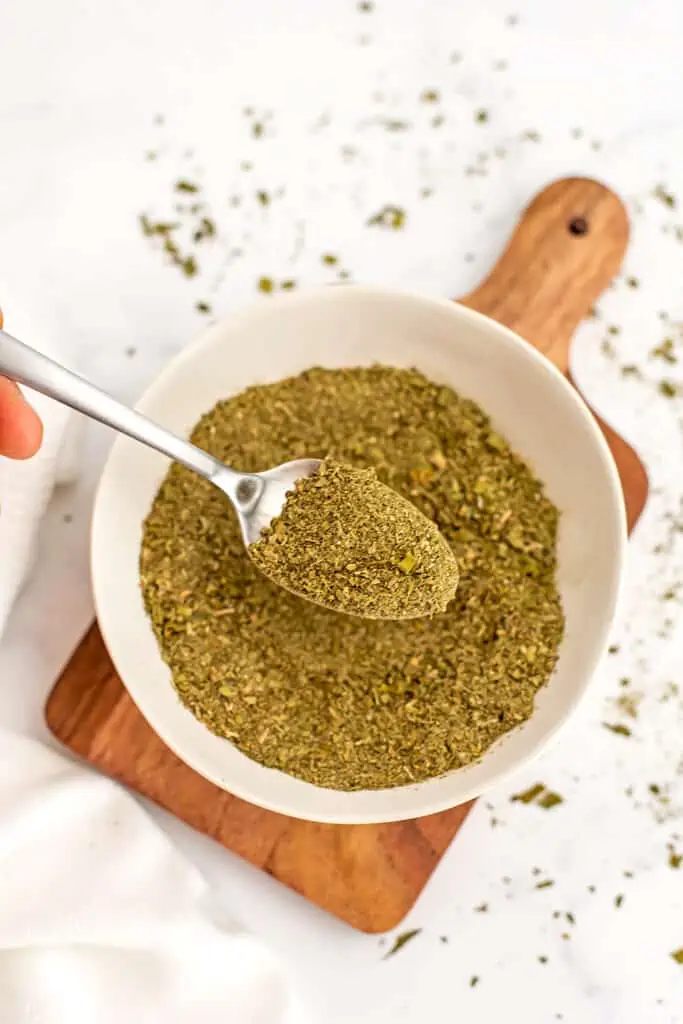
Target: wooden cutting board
{"points": [[565, 251]]}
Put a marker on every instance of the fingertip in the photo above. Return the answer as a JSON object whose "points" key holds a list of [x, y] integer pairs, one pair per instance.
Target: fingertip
{"points": [[21, 430]]}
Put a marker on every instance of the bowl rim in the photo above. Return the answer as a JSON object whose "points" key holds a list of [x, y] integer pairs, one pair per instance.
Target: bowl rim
{"points": [[202, 765]]}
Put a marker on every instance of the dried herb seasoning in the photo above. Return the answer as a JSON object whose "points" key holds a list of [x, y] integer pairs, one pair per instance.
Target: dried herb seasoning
{"points": [[348, 542], [388, 217], [402, 940], [340, 701]]}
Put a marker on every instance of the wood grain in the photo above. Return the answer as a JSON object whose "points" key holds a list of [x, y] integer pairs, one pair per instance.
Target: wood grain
{"points": [[369, 875]]}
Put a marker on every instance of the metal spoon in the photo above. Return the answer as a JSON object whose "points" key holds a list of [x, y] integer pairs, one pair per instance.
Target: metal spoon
{"points": [[256, 497]]}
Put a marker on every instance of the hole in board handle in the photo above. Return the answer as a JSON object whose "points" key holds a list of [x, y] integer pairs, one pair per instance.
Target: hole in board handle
{"points": [[578, 226]]}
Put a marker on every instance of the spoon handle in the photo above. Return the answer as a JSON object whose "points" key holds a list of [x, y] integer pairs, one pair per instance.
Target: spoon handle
{"points": [[26, 366]]}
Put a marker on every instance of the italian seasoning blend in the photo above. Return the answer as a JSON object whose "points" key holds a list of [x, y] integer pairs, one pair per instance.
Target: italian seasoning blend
{"points": [[341, 701], [348, 542]]}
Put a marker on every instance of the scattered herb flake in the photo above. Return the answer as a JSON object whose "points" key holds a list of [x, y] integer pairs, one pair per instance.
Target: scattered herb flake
{"points": [[677, 955], [388, 217], [206, 229], [402, 940], [528, 795], [288, 285], [618, 728], [664, 351], [258, 129], [474, 980], [613, 649], [262, 198], [618, 900], [667, 388], [540, 795], [547, 883], [443, 938], [329, 259], [202, 307], [265, 285], [186, 186], [549, 800], [675, 859], [632, 282], [481, 116], [665, 197], [429, 96]]}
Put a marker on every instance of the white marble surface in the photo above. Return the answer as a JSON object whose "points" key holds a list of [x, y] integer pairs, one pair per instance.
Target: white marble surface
{"points": [[80, 87]]}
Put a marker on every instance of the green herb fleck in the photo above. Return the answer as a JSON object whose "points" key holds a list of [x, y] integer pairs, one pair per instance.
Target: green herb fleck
{"points": [[618, 900], [402, 940], [481, 116], [675, 859], [665, 197], [540, 795], [202, 307], [188, 265], [160, 228], [258, 129], [389, 217], [664, 351], [618, 728], [206, 229], [365, 6], [262, 198], [329, 259], [288, 285], [667, 388], [429, 96], [677, 955], [547, 883], [613, 649], [474, 980], [186, 186], [631, 370], [632, 282], [265, 285], [549, 800]]}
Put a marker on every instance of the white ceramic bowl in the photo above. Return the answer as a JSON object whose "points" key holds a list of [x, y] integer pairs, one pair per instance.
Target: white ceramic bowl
{"points": [[530, 403]]}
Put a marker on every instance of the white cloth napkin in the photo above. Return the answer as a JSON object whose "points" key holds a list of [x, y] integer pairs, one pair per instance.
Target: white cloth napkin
{"points": [[101, 920]]}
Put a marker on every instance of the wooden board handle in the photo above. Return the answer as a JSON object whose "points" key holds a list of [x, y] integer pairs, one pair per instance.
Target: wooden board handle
{"points": [[567, 248], [569, 244]]}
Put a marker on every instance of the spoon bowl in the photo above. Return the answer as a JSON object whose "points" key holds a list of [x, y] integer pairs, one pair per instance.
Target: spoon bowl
{"points": [[269, 490]]}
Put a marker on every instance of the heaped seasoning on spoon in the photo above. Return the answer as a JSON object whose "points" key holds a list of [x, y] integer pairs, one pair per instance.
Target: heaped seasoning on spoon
{"points": [[337, 700], [348, 542]]}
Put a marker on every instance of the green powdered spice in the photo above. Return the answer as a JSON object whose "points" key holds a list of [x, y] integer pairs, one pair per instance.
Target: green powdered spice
{"points": [[346, 541], [337, 700]]}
